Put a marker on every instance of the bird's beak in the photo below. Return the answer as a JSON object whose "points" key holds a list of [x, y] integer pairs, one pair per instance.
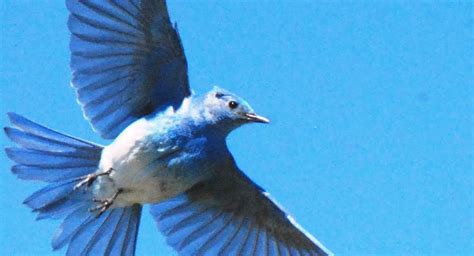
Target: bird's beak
{"points": [[256, 118]]}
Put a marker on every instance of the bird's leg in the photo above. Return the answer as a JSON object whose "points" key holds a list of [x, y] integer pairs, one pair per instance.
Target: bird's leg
{"points": [[104, 204], [88, 179]]}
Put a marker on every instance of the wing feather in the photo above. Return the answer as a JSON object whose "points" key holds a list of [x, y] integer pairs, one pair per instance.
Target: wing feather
{"points": [[230, 215], [127, 61]]}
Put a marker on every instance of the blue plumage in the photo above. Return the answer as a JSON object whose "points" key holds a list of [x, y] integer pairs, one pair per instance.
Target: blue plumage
{"points": [[220, 217], [50, 156], [129, 52], [169, 148]]}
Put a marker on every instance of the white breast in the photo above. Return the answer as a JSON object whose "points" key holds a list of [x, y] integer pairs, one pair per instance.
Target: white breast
{"points": [[137, 168]]}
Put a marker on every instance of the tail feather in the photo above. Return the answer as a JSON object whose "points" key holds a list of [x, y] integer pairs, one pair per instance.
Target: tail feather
{"points": [[45, 159], [36, 142], [32, 128], [113, 233], [70, 225], [51, 174], [59, 209], [50, 194], [47, 155]]}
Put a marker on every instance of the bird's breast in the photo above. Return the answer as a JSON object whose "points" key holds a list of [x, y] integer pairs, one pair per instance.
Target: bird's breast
{"points": [[150, 166]]}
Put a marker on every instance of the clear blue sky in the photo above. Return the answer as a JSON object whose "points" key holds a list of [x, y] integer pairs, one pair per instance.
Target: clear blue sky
{"points": [[371, 144]]}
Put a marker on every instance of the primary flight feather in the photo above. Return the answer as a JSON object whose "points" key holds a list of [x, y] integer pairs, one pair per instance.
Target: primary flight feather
{"points": [[168, 150]]}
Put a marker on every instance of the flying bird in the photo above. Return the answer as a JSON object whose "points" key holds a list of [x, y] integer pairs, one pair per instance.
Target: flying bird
{"points": [[168, 148]]}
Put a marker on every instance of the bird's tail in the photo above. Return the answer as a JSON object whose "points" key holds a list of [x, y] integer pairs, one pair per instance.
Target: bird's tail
{"points": [[60, 160]]}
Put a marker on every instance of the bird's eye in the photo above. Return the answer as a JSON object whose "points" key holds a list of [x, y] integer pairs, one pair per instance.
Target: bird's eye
{"points": [[233, 104]]}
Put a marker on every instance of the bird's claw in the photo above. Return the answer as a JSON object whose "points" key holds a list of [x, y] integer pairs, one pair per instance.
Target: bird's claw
{"points": [[85, 180], [102, 207], [104, 204], [88, 179]]}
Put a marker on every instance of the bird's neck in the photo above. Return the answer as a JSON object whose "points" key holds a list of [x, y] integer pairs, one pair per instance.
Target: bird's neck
{"points": [[194, 111]]}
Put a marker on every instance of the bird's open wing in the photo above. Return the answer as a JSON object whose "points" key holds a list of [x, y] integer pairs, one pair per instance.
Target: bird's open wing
{"points": [[126, 59], [231, 216]]}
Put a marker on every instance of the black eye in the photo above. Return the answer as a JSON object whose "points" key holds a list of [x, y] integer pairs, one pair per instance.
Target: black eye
{"points": [[233, 104]]}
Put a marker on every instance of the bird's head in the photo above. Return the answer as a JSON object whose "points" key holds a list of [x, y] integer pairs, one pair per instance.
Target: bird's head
{"points": [[229, 109]]}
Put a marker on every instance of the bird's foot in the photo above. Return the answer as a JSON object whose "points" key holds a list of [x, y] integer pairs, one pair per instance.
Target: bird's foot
{"points": [[88, 179], [104, 204]]}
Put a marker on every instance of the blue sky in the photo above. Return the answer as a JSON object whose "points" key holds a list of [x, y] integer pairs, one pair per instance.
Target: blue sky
{"points": [[370, 146]]}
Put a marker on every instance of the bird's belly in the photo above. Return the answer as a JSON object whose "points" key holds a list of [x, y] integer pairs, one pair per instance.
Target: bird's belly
{"points": [[147, 177], [150, 162], [138, 187]]}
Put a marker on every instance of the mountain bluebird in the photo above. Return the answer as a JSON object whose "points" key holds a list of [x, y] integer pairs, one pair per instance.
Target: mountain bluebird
{"points": [[168, 150]]}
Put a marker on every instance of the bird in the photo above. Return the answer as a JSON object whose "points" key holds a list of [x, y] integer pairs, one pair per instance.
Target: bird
{"points": [[167, 148]]}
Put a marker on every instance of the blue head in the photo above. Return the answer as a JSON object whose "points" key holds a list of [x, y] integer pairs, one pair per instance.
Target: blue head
{"points": [[229, 110]]}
